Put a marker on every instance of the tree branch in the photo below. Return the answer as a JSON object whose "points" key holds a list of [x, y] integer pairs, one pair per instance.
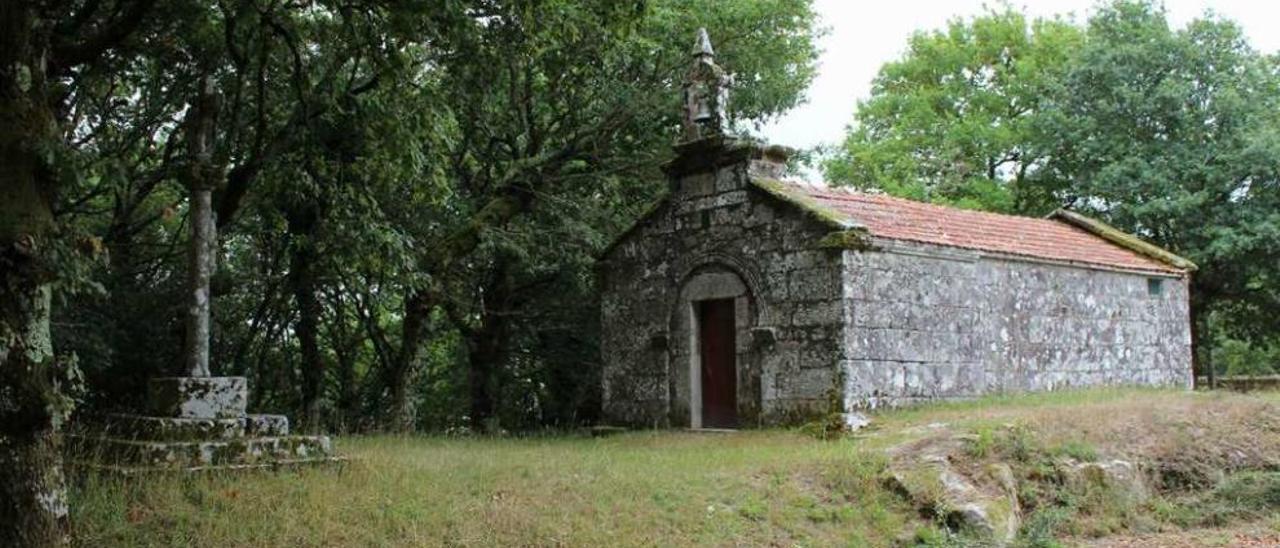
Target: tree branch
{"points": [[67, 55]]}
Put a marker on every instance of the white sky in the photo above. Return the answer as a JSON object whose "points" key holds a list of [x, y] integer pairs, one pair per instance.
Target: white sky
{"points": [[864, 35]]}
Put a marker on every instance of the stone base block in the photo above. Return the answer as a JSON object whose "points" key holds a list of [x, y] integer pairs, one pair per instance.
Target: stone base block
{"points": [[196, 424], [267, 425], [192, 454], [143, 471], [198, 397], [138, 427]]}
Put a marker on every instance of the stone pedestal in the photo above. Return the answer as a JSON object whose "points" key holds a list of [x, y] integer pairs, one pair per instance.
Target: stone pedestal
{"points": [[198, 423]]}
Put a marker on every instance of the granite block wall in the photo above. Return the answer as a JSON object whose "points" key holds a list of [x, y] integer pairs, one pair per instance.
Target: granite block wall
{"points": [[928, 322]]}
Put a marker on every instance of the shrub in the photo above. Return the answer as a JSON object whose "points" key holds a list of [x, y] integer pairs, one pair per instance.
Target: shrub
{"points": [[1079, 450]]}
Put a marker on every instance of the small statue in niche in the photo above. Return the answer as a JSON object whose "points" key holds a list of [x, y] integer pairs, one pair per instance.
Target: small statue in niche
{"points": [[706, 93]]}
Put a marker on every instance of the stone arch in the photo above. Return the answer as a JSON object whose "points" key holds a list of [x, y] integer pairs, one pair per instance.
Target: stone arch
{"points": [[746, 270], [714, 276]]}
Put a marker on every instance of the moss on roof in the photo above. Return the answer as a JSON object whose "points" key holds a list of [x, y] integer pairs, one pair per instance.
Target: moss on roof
{"points": [[854, 238], [785, 192], [1122, 239]]}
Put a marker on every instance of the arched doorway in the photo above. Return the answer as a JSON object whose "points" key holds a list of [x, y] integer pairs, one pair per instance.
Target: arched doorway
{"points": [[713, 378]]}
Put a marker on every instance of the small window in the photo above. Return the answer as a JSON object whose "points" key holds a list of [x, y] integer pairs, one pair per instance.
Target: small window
{"points": [[1155, 286]]}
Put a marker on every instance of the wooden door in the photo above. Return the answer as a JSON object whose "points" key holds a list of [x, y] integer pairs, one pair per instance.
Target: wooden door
{"points": [[716, 333]]}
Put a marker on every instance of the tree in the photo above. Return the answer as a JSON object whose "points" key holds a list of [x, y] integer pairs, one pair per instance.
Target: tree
{"points": [[37, 53], [558, 112], [953, 120], [568, 106], [1174, 135], [397, 189]]}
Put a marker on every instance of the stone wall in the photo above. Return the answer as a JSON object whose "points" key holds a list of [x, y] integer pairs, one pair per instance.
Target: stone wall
{"points": [[717, 236], [931, 322]]}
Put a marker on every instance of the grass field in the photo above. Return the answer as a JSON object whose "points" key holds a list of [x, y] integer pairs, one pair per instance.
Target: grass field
{"points": [[771, 487]]}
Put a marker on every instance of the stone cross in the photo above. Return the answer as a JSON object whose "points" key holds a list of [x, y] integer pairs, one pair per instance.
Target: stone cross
{"points": [[201, 180], [706, 93]]}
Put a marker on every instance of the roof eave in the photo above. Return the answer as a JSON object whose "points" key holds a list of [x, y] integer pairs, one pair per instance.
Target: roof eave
{"points": [[1123, 239]]}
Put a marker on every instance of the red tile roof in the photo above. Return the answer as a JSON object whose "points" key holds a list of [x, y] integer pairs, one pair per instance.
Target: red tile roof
{"points": [[902, 219]]}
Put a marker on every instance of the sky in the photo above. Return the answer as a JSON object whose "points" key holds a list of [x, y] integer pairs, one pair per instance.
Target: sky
{"points": [[862, 36]]}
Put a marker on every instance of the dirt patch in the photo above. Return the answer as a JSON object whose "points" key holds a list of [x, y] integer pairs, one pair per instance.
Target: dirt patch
{"points": [[1244, 536]]}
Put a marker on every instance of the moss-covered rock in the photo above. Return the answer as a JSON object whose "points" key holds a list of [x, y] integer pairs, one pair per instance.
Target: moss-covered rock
{"points": [[981, 505]]}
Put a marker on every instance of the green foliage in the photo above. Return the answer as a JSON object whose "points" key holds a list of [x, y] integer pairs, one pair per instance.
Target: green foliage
{"points": [[1171, 135], [1237, 357], [450, 166], [1040, 528], [952, 121], [1076, 449], [1250, 495]]}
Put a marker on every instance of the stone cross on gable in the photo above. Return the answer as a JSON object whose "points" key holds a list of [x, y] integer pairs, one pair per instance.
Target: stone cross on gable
{"points": [[706, 93]]}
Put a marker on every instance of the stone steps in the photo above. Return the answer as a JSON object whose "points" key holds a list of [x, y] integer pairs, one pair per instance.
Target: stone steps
{"points": [[134, 471], [195, 424], [188, 429], [172, 428], [188, 454]]}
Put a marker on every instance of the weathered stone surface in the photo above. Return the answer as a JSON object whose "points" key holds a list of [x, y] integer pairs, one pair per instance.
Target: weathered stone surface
{"points": [[720, 237], [1121, 474], [173, 428], [984, 505], [198, 397], [930, 323], [202, 426], [266, 425]]}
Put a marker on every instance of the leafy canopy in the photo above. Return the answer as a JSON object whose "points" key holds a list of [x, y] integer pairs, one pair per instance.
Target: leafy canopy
{"points": [[953, 120]]}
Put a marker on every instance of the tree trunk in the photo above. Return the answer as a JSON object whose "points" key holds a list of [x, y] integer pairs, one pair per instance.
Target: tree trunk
{"points": [[345, 344], [487, 345], [348, 390], [485, 348], [302, 224], [33, 505], [203, 177], [413, 329], [1201, 361]]}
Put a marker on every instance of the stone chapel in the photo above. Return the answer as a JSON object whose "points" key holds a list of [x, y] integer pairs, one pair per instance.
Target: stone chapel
{"points": [[744, 299]]}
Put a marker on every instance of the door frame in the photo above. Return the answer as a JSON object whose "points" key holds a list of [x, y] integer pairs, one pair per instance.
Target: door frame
{"points": [[695, 356], [712, 278]]}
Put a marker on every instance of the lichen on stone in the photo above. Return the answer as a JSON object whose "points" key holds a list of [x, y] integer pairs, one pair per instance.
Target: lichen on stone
{"points": [[640, 221]]}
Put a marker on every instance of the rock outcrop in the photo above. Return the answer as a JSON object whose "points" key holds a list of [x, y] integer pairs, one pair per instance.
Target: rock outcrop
{"points": [[980, 503]]}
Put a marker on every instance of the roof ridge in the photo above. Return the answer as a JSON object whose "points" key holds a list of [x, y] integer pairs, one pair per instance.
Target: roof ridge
{"points": [[848, 191]]}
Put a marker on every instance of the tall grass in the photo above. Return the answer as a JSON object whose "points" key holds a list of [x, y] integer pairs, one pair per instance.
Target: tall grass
{"points": [[642, 488], [768, 487]]}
